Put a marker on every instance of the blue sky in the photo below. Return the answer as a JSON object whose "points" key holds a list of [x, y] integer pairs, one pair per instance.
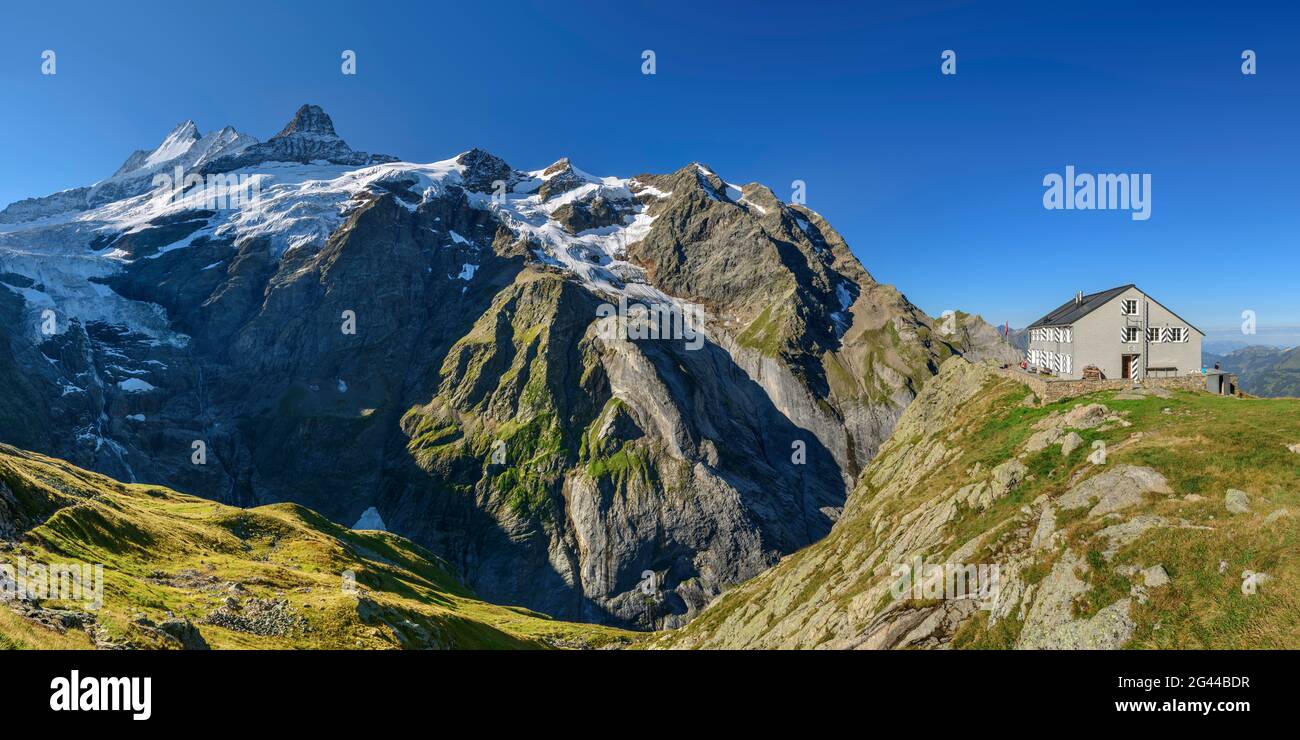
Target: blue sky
{"points": [[935, 181]]}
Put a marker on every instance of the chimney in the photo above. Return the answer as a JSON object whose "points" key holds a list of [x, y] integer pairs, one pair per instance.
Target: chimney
{"points": [[1078, 298]]}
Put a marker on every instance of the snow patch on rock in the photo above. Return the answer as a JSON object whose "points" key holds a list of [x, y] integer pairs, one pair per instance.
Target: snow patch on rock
{"points": [[370, 519], [135, 385]]}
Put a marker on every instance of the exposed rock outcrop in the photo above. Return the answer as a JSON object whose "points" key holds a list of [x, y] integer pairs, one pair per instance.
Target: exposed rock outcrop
{"points": [[1050, 624]]}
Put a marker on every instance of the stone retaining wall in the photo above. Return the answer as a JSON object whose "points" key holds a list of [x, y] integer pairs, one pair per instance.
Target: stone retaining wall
{"points": [[1050, 390]]}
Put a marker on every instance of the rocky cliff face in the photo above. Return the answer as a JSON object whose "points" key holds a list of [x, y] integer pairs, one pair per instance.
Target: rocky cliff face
{"points": [[467, 348], [981, 341]]}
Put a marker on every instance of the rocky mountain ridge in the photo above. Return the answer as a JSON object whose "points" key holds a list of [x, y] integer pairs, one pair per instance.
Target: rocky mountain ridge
{"points": [[427, 340]]}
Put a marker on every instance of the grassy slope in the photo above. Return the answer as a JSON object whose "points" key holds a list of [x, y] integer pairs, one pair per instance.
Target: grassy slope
{"points": [[168, 552], [1203, 445]]}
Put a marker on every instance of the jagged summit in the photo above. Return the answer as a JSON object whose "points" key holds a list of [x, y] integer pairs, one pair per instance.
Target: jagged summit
{"points": [[559, 166], [184, 146], [178, 141], [561, 177], [483, 168], [308, 137], [310, 119]]}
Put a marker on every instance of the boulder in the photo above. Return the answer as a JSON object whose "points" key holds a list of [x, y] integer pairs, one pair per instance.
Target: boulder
{"points": [[1278, 514], [1006, 476], [1098, 454], [184, 632], [1155, 576], [1236, 501], [1002, 480], [1119, 535], [1114, 489], [1070, 443], [1085, 416], [1042, 440]]}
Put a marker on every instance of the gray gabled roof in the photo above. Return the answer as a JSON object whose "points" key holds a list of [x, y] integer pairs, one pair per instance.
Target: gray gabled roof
{"points": [[1070, 311]]}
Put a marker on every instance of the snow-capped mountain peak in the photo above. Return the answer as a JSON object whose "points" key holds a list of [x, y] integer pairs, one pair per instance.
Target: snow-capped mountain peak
{"points": [[183, 147], [307, 138], [176, 144], [309, 119]]}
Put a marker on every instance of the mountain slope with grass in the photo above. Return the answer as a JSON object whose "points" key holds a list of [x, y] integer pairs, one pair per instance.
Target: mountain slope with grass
{"points": [[1184, 534], [184, 572]]}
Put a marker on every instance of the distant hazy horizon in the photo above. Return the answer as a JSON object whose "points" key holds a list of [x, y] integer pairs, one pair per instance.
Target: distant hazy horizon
{"points": [[1216, 340]]}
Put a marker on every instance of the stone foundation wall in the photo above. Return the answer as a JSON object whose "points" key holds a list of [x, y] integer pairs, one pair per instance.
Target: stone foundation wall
{"points": [[1050, 390]]}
